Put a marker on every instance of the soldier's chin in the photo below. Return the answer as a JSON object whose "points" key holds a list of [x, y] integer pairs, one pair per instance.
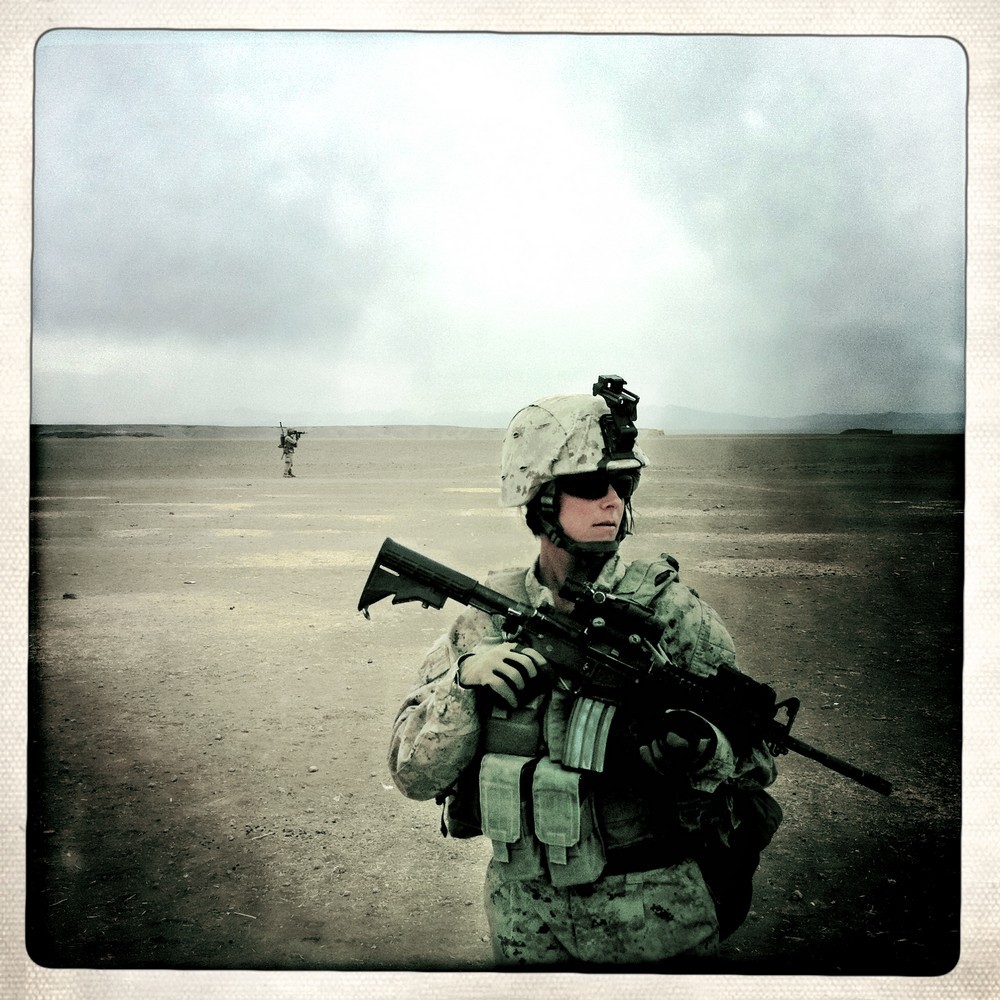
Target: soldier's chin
{"points": [[603, 533]]}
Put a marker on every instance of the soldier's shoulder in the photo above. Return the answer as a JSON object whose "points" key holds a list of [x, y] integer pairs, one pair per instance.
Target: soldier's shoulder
{"points": [[510, 582], [644, 579], [693, 631]]}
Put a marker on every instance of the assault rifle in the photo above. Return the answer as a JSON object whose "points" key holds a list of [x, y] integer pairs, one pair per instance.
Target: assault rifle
{"points": [[607, 651]]}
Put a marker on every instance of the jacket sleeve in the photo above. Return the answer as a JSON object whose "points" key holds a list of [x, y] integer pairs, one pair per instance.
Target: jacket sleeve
{"points": [[696, 639], [436, 732]]}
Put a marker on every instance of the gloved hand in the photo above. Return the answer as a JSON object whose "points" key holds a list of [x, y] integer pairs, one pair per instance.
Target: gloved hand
{"points": [[504, 667], [686, 742]]}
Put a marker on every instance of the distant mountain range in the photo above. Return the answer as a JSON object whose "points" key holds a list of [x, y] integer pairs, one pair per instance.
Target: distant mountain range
{"points": [[668, 420], [682, 420]]}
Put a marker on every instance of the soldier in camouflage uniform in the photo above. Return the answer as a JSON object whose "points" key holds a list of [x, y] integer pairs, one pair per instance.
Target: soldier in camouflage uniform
{"points": [[647, 857], [288, 442]]}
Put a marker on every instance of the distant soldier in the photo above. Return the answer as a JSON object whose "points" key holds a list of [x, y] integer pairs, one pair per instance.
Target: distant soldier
{"points": [[289, 442]]}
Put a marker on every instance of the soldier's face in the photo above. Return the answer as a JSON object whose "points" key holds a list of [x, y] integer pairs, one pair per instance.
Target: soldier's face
{"points": [[591, 520]]}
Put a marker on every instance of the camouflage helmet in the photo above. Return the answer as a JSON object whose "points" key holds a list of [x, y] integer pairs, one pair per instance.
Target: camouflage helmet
{"points": [[563, 435]]}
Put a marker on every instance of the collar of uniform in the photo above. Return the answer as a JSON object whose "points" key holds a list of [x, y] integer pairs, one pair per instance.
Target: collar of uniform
{"points": [[612, 573]]}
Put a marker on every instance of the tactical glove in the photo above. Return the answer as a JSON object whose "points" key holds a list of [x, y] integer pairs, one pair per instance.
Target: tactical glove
{"points": [[686, 743], [505, 668]]}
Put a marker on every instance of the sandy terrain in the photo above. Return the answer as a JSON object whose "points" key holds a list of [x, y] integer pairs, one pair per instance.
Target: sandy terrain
{"points": [[210, 714]]}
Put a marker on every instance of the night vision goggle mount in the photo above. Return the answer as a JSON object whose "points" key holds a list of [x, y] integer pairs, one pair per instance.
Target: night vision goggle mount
{"points": [[618, 426]]}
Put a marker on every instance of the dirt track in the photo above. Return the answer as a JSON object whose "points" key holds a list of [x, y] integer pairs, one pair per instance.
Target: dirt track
{"points": [[209, 713]]}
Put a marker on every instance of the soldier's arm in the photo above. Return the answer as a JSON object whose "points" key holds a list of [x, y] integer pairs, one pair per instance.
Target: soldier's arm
{"points": [[698, 640], [436, 732]]}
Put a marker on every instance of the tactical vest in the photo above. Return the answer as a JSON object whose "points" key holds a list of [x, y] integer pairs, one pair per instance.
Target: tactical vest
{"points": [[553, 793]]}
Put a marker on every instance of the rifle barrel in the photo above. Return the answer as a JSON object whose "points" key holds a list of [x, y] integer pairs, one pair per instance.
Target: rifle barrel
{"points": [[852, 771]]}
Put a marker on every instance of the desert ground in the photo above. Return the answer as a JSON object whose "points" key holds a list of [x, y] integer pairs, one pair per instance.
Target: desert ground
{"points": [[209, 713]]}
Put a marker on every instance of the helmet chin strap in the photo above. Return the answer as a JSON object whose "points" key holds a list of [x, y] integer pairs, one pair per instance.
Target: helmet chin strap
{"points": [[590, 556]]}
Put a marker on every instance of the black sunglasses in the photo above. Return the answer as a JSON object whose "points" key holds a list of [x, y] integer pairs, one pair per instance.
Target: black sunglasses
{"points": [[594, 485]]}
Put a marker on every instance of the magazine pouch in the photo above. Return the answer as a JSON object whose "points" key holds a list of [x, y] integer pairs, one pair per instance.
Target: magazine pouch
{"points": [[503, 779], [566, 825]]}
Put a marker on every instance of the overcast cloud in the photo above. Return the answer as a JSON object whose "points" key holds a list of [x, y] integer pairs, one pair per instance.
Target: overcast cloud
{"points": [[329, 228]]}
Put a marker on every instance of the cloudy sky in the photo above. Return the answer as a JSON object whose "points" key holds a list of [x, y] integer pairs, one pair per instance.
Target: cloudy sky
{"points": [[323, 228]]}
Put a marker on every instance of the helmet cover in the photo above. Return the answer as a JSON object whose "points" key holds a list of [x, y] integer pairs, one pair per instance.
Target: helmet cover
{"points": [[559, 435]]}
